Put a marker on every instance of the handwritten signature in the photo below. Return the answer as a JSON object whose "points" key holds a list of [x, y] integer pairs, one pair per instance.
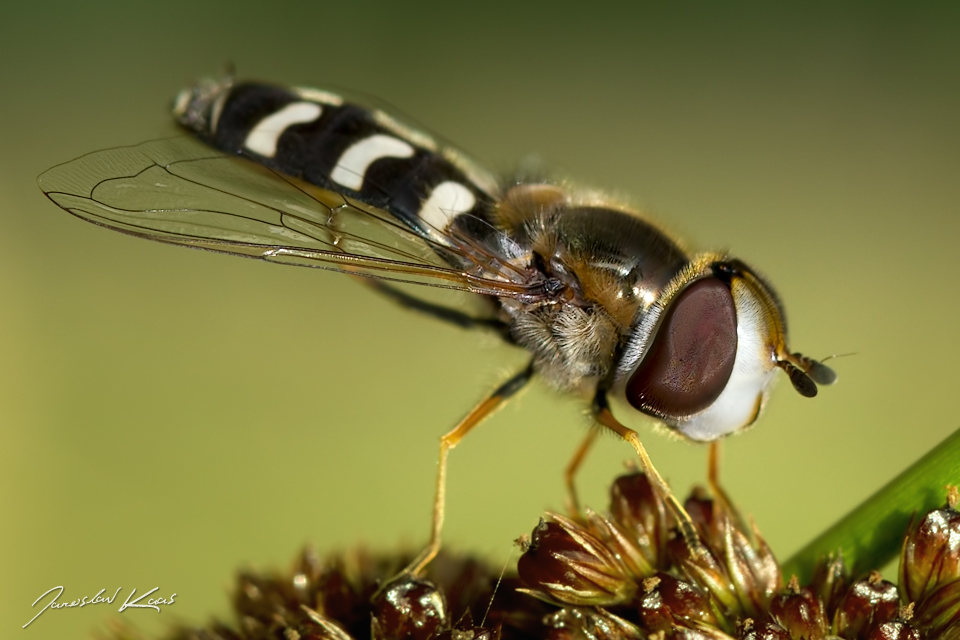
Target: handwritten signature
{"points": [[152, 603]]}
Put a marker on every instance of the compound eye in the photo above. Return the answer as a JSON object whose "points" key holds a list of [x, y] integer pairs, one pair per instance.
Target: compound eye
{"points": [[692, 355]]}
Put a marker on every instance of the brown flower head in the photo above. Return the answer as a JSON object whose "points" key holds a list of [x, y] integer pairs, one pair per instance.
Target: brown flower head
{"points": [[641, 515], [667, 602], [408, 609], [566, 563], [800, 611], [931, 552], [900, 628], [868, 602], [830, 580], [750, 630], [735, 566], [605, 578]]}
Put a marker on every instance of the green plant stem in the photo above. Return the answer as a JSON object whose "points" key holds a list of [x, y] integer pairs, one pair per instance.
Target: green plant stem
{"points": [[871, 535]]}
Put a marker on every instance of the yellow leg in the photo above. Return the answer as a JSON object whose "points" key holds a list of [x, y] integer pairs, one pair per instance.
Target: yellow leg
{"points": [[570, 473], [687, 528], [448, 442], [720, 496], [713, 464], [713, 478]]}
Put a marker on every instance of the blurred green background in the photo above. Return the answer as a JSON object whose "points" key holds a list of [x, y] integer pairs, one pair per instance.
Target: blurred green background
{"points": [[168, 416]]}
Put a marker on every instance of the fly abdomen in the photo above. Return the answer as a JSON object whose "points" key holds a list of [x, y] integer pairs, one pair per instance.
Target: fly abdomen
{"points": [[319, 137]]}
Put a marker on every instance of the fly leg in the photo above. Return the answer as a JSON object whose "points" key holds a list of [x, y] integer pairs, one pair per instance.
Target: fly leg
{"points": [[570, 472], [713, 473], [720, 497], [603, 415], [448, 442], [437, 311]]}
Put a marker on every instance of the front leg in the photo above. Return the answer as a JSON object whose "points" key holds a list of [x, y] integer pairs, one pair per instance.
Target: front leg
{"points": [[603, 415]]}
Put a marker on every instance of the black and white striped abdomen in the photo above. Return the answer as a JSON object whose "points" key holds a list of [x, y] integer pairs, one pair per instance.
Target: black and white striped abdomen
{"points": [[322, 139]]}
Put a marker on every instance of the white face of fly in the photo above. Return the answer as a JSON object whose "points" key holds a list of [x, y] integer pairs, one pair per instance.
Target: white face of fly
{"points": [[704, 359], [754, 369]]}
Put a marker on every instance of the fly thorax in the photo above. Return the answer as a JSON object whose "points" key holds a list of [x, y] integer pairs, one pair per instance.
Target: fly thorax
{"points": [[571, 344]]}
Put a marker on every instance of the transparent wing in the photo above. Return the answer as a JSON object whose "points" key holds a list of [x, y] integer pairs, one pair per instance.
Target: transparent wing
{"points": [[180, 191]]}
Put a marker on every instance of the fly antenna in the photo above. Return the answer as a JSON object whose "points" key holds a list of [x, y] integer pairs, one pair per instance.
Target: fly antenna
{"points": [[815, 369], [804, 384], [833, 356]]}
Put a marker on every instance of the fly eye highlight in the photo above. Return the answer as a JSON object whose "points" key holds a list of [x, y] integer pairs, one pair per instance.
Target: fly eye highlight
{"points": [[692, 355]]}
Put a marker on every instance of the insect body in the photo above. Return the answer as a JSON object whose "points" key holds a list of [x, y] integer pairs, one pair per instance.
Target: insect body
{"points": [[605, 301]]}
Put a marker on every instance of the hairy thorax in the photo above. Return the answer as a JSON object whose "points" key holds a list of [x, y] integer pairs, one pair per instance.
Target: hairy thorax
{"points": [[607, 280]]}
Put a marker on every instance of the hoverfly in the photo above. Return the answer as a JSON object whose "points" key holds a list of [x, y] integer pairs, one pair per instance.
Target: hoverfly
{"points": [[606, 302]]}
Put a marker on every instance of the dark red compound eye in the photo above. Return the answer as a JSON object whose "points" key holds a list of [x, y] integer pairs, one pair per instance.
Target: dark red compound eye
{"points": [[692, 355]]}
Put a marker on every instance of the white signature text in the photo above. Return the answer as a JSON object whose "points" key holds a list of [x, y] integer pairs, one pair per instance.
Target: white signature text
{"points": [[129, 603]]}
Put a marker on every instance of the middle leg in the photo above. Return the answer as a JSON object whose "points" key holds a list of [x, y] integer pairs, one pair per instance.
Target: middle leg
{"points": [[448, 442], [570, 472]]}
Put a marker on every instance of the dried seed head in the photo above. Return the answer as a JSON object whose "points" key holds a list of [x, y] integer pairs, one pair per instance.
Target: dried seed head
{"points": [[737, 568], [702, 510], [749, 630], [590, 624], [641, 515], [263, 600], [939, 611], [700, 633], [340, 594], [830, 580], [681, 633], [666, 602], [469, 633], [701, 567], [931, 554], [565, 563], [753, 569], [317, 627], [408, 609], [613, 577], [655, 615], [800, 612], [868, 602], [710, 513], [630, 550], [895, 630], [275, 607]]}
